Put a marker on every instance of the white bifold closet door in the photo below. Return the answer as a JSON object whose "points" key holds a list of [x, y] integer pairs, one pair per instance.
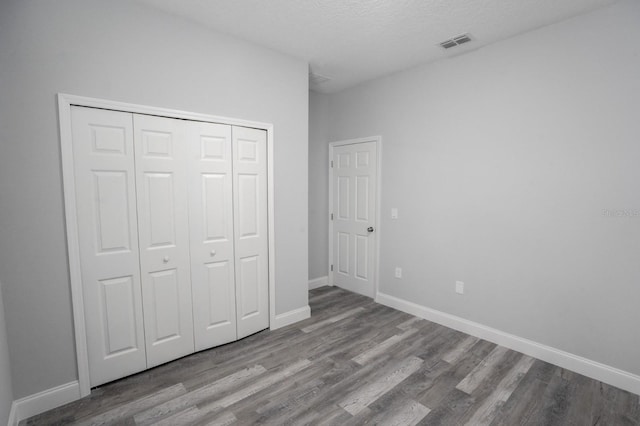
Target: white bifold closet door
{"points": [[250, 223], [163, 229], [211, 223], [172, 231], [228, 221], [108, 241]]}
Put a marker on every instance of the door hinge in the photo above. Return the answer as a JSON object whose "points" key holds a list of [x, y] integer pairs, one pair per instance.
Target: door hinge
{"points": [[332, 164], [331, 268], [331, 216]]}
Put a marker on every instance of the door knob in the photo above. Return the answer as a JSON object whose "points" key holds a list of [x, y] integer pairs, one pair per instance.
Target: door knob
{"points": [[165, 259], [213, 253], [370, 229]]}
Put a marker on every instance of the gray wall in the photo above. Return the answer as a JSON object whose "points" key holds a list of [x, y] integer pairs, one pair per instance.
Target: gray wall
{"points": [[122, 50], [502, 162], [6, 395], [318, 184]]}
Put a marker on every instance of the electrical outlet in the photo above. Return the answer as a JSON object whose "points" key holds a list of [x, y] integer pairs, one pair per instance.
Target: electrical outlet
{"points": [[398, 272], [394, 213], [459, 287]]}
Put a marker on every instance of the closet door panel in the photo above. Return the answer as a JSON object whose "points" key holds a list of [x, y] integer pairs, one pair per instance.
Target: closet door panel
{"points": [[108, 241], [219, 286], [211, 225], [250, 218], [165, 304], [249, 281], [163, 228], [160, 215]]}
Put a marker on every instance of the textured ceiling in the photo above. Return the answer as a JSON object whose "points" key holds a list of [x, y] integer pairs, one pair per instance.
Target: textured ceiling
{"points": [[351, 41]]}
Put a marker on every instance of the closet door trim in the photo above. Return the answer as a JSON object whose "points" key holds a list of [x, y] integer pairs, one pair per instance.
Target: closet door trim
{"points": [[65, 102]]}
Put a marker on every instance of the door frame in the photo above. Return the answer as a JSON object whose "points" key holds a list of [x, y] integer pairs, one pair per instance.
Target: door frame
{"points": [[376, 236], [65, 102]]}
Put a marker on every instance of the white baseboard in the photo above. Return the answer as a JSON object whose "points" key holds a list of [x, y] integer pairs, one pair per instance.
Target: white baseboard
{"points": [[288, 318], [40, 402], [318, 282], [602, 372]]}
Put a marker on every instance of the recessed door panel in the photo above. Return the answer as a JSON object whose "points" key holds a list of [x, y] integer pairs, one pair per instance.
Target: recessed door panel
{"points": [[161, 210], [107, 139], [343, 253], [157, 144], [166, 306], [213, 147], [108, 245], [354, 183], [250, 218], [118, 315], [163, 225], [216, 205], [344, 197], [248, 205], [343, 160], [212, 235], [362, 257], [219, 284], [247, 150], [111, 209], [249, 286], [362, 198], [362, 159]]}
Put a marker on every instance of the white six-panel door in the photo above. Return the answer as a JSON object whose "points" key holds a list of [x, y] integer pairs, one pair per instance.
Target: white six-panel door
{"points": [[354, 176], [172, 229], [250, 223], [211, 225], [163, 227], [108, 241]]}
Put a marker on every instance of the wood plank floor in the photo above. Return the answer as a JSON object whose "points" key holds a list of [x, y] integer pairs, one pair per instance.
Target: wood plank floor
{"points": [[353, 362]]}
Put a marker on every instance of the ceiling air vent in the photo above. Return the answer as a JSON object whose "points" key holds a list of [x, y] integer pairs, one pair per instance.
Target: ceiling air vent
{"points": [[456, 41], [317, 78]]}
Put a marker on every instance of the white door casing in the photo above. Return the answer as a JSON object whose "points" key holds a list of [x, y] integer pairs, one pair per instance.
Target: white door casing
{"points": [[108, 242], [211, 226], [76, 208], [163, 228], [250, 224], [353, 225]]}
